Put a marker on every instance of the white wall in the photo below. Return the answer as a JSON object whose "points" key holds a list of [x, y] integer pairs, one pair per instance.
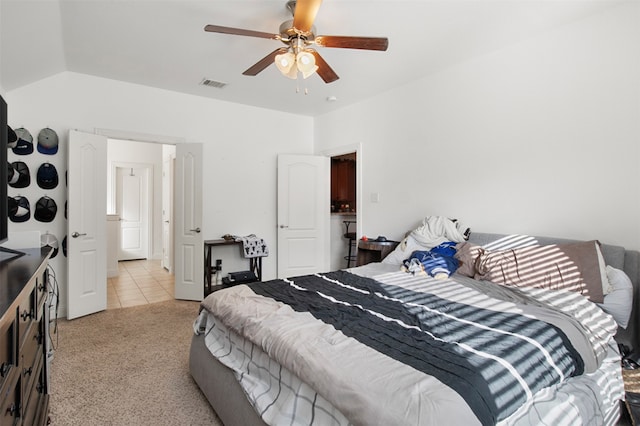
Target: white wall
{"points": [[240, 146], [542, 137]]}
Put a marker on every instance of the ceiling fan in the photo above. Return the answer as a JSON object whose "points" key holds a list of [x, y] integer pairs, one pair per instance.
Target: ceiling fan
{"points": [[298, 34]]}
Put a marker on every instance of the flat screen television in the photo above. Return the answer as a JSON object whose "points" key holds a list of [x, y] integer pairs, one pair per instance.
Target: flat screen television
{"points": [[4, 137], [5, 253]]}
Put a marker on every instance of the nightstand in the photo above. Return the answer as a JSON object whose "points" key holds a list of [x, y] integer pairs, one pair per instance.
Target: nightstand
{"points": [[374, 251]]}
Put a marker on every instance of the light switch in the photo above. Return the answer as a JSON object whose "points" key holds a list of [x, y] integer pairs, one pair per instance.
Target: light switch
{"points": [[375, 197]]}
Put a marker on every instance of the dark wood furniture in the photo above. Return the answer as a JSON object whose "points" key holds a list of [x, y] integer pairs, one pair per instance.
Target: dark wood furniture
{"points": [[255, 263], [343, 183], [24, 393], [374, 251], [632, 394]]}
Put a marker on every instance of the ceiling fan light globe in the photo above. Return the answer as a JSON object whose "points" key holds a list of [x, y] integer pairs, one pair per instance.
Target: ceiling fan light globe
{"points": [[306, 63], [306, 74], [286, 64]]}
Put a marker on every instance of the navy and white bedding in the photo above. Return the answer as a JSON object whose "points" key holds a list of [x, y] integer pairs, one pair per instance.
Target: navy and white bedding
{"points": [[377, 347]]}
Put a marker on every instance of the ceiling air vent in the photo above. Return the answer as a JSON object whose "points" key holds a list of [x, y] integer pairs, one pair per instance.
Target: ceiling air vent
{"points": [[212, 83]]}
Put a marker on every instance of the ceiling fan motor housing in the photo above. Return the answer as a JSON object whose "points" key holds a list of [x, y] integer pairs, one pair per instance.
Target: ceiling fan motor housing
{"points": [[288, 33]]}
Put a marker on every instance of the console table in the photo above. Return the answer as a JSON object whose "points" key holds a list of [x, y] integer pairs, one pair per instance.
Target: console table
{"points": [[255, 263], [24, 386]]}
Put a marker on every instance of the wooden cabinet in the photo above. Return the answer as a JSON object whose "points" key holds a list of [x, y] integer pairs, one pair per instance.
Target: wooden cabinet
{"points": [[24, 398], [343, 184]]}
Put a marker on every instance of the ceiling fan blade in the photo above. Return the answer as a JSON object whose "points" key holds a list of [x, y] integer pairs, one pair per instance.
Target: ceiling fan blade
{"points": [[239, 31], [264, 62], [305, 14], [325, 72], [366, 43]]}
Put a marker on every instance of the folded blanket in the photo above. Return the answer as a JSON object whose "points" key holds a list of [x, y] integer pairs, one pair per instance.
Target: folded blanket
{"points": [[252, 246]]}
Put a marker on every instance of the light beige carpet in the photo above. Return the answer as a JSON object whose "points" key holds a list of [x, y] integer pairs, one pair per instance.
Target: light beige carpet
{"points": [[127, 366]]}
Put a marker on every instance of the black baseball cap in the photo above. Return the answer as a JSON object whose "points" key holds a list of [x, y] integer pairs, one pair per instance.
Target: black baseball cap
{"points": [[45, 210], [47, 176], [12, 138], [19, 210], [20, 178]]}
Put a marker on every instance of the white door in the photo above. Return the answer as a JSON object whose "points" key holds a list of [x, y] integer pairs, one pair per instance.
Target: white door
{"points": [[189, 249], [303, 214], [87, 224], [132, 204], [167, 213]]}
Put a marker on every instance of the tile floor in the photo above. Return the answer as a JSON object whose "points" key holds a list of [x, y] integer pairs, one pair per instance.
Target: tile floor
{"points": [[139, 282]]}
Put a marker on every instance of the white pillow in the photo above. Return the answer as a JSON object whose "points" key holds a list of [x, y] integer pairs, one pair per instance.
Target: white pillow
{"points": [[606, 286], [402, 251], [619, 302]]}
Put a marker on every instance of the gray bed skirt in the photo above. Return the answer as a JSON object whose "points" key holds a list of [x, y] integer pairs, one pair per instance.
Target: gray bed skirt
{"points": [[220, 386]]}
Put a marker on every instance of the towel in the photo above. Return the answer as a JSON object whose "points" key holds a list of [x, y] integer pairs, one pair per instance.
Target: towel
{"points": [[252, 246]]}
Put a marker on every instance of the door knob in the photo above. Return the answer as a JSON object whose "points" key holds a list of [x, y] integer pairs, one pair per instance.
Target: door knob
{"points": [[197, 230], [76, 234], [284, 226]]}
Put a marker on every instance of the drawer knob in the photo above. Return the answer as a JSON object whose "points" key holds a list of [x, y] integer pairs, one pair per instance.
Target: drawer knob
{"points": [[26, 314], [4, 369], [12, 409]]}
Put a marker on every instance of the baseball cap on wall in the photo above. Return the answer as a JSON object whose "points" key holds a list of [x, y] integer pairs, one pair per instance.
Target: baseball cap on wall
{"points": [[20, 178], [64, 246], [24, 145], [12, 138], [45, 210], [49, 240], [19, 209], [47, 141], [47, 176]]}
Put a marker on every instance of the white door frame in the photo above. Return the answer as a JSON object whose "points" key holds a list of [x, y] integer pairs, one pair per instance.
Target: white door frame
{"points": [[168, 171], [150, 199], [142, 137], [348, 149]]}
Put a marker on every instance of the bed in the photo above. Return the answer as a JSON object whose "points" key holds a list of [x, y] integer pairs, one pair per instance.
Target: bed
{"points": [[365, 346]]}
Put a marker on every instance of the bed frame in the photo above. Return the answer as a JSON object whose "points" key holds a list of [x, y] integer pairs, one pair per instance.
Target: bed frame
{"points": [[227, 398]]}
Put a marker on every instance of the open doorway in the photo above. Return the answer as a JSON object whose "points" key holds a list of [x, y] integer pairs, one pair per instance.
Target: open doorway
{"points": [[343, 210], [137, 173], [339, 245]]}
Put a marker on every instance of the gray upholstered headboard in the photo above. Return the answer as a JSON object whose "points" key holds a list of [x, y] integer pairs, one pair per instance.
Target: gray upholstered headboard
{"points": [[616, 256]]}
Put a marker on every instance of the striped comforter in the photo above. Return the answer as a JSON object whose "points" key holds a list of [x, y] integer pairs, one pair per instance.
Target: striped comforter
{"points": [[400, 349]]}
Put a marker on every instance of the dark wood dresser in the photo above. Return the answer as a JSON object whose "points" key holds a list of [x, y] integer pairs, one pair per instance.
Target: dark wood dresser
{"points": [[24, 394]]}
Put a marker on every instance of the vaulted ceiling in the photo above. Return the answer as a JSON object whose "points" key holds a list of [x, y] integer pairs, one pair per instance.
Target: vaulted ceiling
{"points": [[163, 44]]}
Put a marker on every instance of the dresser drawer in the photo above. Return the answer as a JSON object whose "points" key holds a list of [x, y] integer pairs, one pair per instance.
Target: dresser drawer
{"points": [[30, 355], [10, 402], [40, 294], [33, 397], [7, 351], [26, 315]]}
